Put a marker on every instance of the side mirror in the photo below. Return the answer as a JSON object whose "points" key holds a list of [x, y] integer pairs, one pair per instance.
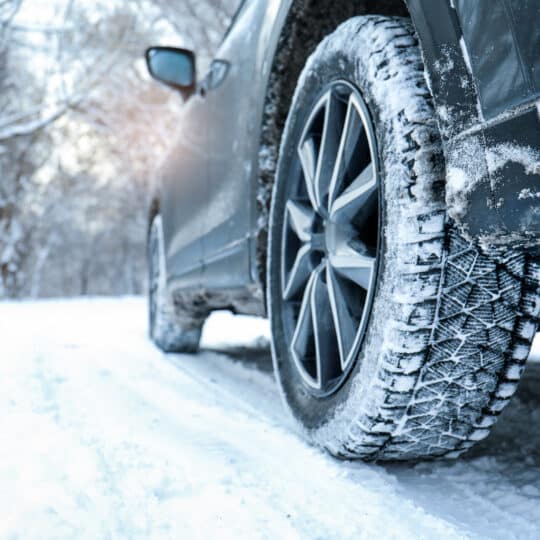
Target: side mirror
{"points": [[173, 67]]}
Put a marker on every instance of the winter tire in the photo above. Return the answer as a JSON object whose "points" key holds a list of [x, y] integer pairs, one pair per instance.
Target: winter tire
{"points": [[164, 328], [393, 336]]}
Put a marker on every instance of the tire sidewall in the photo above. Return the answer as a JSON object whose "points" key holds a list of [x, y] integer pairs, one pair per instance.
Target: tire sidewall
{"points": [[312, 411]]}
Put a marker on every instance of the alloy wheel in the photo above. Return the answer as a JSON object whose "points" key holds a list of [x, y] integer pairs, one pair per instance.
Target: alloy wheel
{"points": [[331, 239]]}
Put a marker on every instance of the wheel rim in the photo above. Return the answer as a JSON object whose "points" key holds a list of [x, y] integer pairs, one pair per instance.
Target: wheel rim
{"points": [[331, 239]]}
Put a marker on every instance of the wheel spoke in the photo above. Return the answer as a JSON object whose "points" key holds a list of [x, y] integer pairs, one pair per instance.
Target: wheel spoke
{"points": [[301, 218], [303, 333], [308, 159], [299, 273], [326, 352], [346, 326], [351, 125], [353, 265], [357, 195], [328, 152]]}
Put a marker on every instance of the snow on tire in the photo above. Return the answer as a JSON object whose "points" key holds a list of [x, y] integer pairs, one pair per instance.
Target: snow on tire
{"points": [[451, 322]]}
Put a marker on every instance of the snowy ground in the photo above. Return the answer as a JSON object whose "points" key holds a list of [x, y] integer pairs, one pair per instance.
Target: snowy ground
{"points": [[101, 436]]}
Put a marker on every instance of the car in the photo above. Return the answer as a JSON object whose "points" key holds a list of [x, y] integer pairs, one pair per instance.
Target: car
{"points": [[366, 175]]}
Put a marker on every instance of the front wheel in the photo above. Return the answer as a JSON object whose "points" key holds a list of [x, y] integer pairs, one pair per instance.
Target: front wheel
{"points": [[393, 336]]}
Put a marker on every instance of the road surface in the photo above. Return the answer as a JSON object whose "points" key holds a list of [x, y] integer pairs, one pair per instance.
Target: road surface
{"points": [[102, 436]]}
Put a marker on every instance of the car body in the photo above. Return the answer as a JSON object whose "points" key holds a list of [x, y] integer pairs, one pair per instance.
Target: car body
{"points": [[213, 190]]}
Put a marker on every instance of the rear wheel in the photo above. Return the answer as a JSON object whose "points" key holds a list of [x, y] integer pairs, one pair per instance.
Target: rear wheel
{"points": [[393, 337], [164, 328]]}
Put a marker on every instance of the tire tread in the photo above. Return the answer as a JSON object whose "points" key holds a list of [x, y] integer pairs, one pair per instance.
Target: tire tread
{"points": [[464, 326]]}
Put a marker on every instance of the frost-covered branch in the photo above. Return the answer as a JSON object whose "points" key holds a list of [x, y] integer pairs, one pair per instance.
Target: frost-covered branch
{"points": [[27, 128]]}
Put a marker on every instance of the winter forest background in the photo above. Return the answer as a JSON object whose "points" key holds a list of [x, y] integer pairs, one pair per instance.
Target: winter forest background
{"points": [[82, 130]]}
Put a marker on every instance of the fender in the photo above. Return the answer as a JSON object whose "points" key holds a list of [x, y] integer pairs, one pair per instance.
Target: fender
{"points": [[483, 70]]}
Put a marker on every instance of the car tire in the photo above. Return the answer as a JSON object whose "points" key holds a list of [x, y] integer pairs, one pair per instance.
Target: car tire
{"points": [[165, 329], [442, 331]]}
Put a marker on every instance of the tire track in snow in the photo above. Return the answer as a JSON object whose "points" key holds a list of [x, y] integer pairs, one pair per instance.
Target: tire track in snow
{"points": [[102, 436]]}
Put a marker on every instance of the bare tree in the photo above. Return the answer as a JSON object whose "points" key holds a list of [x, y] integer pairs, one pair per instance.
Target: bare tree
{"points": [[81, 137]]}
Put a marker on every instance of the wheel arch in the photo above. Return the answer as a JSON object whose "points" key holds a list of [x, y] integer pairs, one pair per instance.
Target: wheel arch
{"points": [[305, 25]]}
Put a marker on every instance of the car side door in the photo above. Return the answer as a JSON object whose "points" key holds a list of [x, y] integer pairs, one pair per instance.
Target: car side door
{"points": [[232, 129], [184, 193]]}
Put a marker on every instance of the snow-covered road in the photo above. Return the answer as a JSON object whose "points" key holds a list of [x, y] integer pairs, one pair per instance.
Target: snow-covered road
{"points": [[101, 436]]}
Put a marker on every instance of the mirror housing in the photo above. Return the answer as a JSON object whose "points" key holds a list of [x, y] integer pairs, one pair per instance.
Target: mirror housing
{"points": [[174, 67]]}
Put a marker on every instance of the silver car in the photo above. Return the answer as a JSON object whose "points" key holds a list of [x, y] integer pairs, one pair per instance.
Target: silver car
{"points": [[367, 175]]}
